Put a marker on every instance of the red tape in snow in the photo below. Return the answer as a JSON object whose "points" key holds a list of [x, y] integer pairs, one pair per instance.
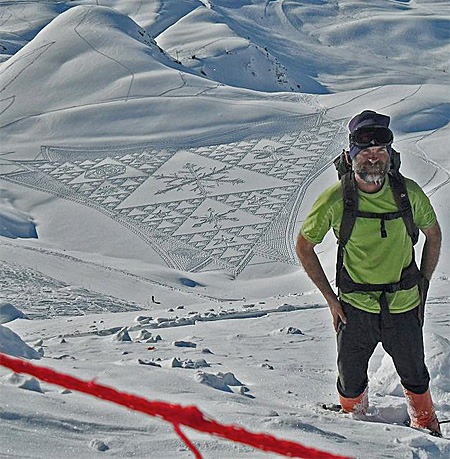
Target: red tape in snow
{"points": [[177, 415]]}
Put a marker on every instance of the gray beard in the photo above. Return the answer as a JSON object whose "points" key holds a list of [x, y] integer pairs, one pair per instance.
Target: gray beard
{"points": [[376, 179], [370, 174]]}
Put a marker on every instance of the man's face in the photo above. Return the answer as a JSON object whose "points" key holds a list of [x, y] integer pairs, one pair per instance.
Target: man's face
{"points": [[372, 164]]}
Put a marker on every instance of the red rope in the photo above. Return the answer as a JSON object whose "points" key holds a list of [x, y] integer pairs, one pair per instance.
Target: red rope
{"points": [[188, 442], [177, 415]]}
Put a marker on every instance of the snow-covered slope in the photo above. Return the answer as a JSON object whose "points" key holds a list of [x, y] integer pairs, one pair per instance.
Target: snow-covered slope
{"points": [[157, 160]]}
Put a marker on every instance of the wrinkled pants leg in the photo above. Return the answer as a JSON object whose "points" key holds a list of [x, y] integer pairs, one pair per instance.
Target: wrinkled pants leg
{"points": [[404, 343], [356, 342]]}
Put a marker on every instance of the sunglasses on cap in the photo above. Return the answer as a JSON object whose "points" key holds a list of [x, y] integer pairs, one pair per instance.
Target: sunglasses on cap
{"points": [[367, 136]]}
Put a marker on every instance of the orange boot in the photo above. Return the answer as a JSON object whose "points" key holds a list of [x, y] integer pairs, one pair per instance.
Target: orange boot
{"points": [[357, 405], [421, 411]]}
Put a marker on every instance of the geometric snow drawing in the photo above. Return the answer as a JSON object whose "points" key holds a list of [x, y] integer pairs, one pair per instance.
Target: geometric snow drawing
{"points": [[217, 206]]}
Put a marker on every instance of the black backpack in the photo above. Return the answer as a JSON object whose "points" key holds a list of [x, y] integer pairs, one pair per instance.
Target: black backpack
{"points": [[410, 275]]}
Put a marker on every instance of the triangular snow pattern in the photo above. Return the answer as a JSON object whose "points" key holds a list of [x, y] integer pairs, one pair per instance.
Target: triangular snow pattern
{"points": [[230, 203]]}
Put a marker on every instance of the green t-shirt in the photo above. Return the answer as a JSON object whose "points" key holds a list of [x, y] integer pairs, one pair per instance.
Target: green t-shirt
{"points": [[369, 258]]}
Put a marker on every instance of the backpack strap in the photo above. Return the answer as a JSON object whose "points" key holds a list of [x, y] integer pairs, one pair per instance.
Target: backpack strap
{"points": [[350, 213], [383, 217], [350, 202], [343, 163], [398, 186], [409, 278]]}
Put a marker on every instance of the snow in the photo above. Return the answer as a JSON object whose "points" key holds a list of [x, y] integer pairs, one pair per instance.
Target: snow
{"points": [[12, 344], [14, 223], [8, 313], [157, 161]]}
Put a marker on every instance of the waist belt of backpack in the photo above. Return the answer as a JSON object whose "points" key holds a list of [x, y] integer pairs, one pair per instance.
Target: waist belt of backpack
{"points": [[409, 278]]}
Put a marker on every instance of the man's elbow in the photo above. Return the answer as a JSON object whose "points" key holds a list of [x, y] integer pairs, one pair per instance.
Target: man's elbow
{"points": [[304, 248], [434, 234]]}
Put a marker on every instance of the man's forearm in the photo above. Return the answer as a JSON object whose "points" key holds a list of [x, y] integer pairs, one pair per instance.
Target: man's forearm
{"points": [[312, 266]]}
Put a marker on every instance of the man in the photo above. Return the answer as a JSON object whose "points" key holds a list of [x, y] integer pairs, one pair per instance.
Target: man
{"points": [[381, 292]]}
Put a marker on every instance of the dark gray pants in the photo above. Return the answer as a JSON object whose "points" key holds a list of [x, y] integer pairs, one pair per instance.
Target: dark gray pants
{"points": [[401, 337]]}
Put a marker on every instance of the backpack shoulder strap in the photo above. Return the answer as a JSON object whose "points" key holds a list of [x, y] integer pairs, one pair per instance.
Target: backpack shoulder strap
{"points": [[343, 164], [395, 160], [350, 203], [398, 186]]}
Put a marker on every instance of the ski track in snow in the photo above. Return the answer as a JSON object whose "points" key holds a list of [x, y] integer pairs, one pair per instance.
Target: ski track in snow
{"points": [[16, 272], [43, 297]]}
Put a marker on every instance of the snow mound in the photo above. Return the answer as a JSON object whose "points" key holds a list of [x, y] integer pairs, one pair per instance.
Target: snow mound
{"points": [[438, 361], [146, 336], [212, 380], [14, 225], [288, 330], [84, 43], [9, 312], [186, 363], [206, 43], [98, 445], [25, 20], [12, 344], [385, 380], [22, 382], [122, 335], [13, 222], [220, 381]]}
